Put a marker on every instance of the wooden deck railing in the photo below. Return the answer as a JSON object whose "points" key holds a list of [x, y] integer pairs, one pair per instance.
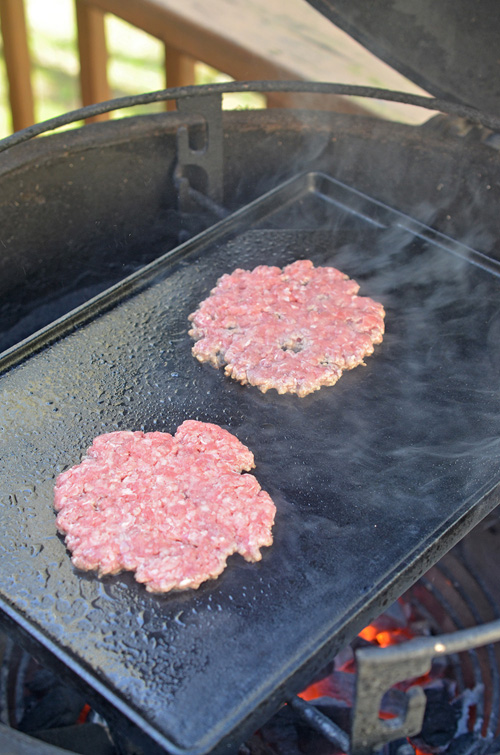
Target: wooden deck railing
{"points": [[246, 39]]}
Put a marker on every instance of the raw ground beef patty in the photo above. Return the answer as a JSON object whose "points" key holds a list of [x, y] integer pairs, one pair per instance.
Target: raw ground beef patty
{"points": [[170, 508], [294, 329]]}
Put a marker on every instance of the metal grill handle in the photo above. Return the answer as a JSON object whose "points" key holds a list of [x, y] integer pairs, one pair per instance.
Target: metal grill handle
{"points": [[379, 668]]}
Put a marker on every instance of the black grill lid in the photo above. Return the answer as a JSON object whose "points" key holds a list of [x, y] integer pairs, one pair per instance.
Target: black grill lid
{"points": [[449, 47]]}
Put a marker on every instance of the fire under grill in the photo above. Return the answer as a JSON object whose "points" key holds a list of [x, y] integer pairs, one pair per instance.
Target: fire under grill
{"points": [[462, 690], [358, 523]]}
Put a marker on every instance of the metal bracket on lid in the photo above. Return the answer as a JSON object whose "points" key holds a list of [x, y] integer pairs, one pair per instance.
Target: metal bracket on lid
{"points": [[379, 668], [199, 172]]}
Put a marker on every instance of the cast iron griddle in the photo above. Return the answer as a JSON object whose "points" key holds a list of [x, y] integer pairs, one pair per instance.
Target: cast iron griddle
{"points": [[373, 478]]}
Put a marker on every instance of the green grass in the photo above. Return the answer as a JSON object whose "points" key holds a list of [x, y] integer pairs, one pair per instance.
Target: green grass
{"points": [[135, 64]]}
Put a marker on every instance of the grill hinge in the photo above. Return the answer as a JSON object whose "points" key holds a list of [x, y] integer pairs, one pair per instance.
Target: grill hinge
{"points": [[199, 173]]}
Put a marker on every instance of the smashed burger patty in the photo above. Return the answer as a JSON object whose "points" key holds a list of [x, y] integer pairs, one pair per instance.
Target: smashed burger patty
{"points": [[294, 330], [170, 508]]}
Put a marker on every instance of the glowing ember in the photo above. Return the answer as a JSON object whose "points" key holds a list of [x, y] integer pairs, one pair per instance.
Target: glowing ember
{"points": [[318, 689], [398, 625], [385, 638]]}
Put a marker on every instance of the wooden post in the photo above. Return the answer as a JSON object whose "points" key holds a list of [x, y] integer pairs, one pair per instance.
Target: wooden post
{"points": [[93, 56], [17, 62], [179, 70]]}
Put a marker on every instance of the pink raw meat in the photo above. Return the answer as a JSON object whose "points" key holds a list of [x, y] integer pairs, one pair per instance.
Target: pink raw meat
{"points": [[294, 329], [170, 508]]}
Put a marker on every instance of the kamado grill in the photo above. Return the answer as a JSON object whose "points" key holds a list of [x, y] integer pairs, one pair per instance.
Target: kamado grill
{"points": [[111, 235]]}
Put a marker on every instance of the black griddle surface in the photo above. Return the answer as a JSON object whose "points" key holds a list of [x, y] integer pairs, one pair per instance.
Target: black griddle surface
{"points": [[373, 478]]}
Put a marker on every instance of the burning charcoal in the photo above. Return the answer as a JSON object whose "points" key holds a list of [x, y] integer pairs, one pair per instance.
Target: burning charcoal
{"points": [[440, 722], [494, 747], [42, 681], [281, 733], [400, 747], [288, 734], [52, 703], [344, 658], [256, 746], [85, 739], [399, 612], [324, 673], [313, 743], [393, 702], [339, 686], [465, 744], [393, 618]]}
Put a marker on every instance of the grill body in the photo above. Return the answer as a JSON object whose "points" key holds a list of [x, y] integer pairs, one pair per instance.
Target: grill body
{"points": [[82, 210]]}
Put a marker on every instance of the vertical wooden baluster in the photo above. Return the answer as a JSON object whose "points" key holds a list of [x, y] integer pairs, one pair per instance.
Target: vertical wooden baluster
{"points": [[93, 56], [17, 62], [179, 70]]}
